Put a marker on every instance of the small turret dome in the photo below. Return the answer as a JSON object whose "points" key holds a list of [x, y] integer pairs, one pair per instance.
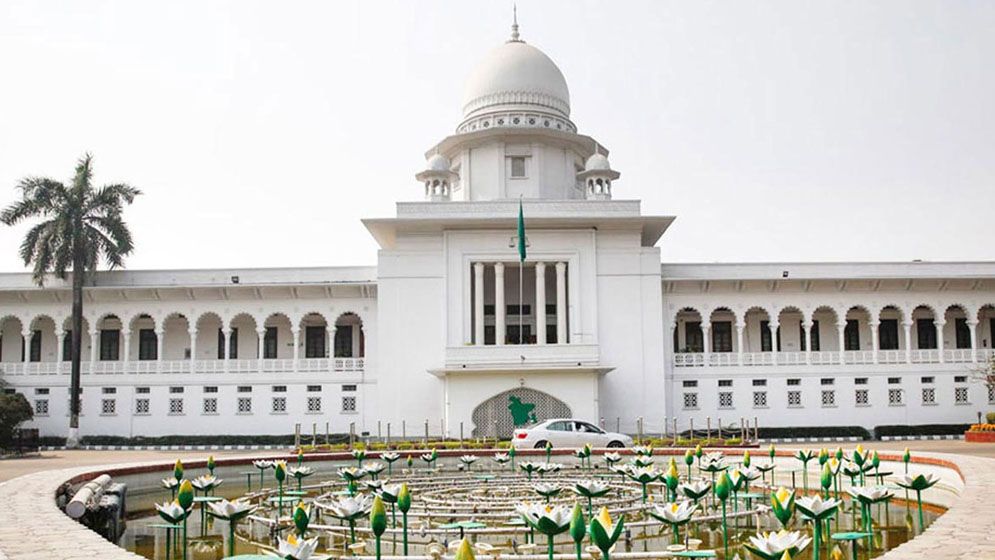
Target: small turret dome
{"points": [[438, 162], [597, 162]]}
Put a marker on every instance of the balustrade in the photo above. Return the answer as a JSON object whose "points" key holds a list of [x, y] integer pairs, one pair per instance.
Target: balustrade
{"points": [[145, 367]]}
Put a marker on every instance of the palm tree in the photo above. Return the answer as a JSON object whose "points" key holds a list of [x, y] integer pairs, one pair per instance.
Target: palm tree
{"points": [[81, 225]]}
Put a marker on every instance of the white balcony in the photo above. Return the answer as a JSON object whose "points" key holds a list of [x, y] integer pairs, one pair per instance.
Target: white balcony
{"points": [[144, 367], [522, 357], [822, 358]]}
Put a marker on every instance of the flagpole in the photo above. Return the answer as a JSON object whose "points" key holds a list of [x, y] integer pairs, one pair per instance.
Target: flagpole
{"points": [[521, 303]]}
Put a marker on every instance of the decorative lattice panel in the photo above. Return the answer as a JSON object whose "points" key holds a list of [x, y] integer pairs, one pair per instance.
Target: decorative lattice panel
{"points": [[499, 415]]}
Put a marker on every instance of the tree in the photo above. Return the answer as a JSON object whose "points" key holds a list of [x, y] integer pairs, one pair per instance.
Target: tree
{"points": [[14, 409], [984, 373], [80, 226]]}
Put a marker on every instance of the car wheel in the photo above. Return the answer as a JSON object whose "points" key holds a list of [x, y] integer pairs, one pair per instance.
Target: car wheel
{"points": [[541, 444], [615, 444]]}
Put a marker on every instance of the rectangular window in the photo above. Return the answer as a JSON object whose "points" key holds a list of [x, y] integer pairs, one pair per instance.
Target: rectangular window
{"points": [[794, 399], [41, 391], [142, 390], [829, 398], [489, 335], [722, 336], [926, 379], [34, 353], [232, 344], [109, 390], [314, 388], [513, 310], [860, 381], [108, 406], [827, 381], [861, 397], [551, 333], [512, 334], [960, 395], [210, 389], [175, 390], [141, 407], [725, 382], [816, 342], [926, 334], [794, 382], [894, 380], [244, 405], [693, 339], [148, 344], [269, 343], [928, 395], [690, 401], [960, 379], [888, 334], [962, 333], [725, 399], [689, 384], [109, 345], [343, 341], [518, 169], [348, 404], [245, 388], [765, 345], [314, 403], [176, 406], [759, 382], [210, 405], [314, 342], [895, 397], [279, 388], [851, 335], [760, 399], [41, 407], [279, 405]]}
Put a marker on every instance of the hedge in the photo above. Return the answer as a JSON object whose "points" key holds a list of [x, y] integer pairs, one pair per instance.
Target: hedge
{"points": [[815, 432]]}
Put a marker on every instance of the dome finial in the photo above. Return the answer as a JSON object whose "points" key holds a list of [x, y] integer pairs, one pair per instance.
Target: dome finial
{"points": [[514, 23]]}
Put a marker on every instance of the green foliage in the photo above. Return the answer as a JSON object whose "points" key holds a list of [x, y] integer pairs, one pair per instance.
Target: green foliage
{"points": [[990, 417], [14, 410], [920, 430]]}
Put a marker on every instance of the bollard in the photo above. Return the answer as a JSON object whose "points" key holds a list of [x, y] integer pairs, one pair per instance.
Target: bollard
{"points": [[297, 435], [639, 430], [675, 430], [691, 429], [314, 434], [618, 424], [426, 430], [352, 433], [379, 433], [708, 428], [756, 430], [326, 434], [461, 435], [388, 435], [720, 436], [404, 429]]}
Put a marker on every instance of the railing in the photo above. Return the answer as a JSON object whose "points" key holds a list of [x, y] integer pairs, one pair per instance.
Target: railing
{"points": [[831, 357], [145, 367]]}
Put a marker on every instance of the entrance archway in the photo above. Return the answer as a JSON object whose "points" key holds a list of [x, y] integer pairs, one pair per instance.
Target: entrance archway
{"points": [[499, 415]]}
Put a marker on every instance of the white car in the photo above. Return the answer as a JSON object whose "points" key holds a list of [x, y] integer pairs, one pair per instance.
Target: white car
{"points": [[567, 432]]}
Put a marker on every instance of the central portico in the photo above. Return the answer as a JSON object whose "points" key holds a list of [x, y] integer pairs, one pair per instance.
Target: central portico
{"points": [[463, 308]]}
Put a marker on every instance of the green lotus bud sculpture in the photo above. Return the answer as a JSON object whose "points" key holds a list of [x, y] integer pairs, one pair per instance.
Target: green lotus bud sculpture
{"points": [[672, 479], [184, 497], [302, 517], [578, 530], [746, 459], [211, 465], [280, 473], [378, 521], [465, 551], [783, 505], [605, 532], [722, 490], [178, 470], [404, 504]]}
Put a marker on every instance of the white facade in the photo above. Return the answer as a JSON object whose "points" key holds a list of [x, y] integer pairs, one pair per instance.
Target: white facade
{"points": [[442, 333]]}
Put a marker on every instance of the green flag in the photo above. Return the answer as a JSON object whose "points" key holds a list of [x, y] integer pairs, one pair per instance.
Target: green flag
{"points": [[521, 232]]}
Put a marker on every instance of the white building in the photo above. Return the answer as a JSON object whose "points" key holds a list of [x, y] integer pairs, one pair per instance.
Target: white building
{"points": [[432, 334]]}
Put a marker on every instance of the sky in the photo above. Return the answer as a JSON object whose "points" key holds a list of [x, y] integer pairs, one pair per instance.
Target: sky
{"points": [[262, 132]]}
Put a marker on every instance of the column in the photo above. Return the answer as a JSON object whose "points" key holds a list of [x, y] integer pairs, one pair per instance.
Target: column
{"points": [[973, 327], [561, 303], [739, 342], [193, 349], [261, 332], [772, 326], [125, 348], [674, 351], [94, 348], [540, 311], [907, 326], [841, 327], [28, 334], [226, 351], [939, 338], [296, 333], [60, 342], [331, 347], [478, 304], [160, 343], [499, 308], [807, 333], [875, 344], [706, 340]]}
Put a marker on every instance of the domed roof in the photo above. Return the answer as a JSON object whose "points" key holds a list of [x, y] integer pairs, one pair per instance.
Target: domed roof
{"points": [[516, 74], [597, 162], [438, 162]]}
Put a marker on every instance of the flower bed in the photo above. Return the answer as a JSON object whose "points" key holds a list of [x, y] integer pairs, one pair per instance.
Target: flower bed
{"points": [[980, 433]]}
